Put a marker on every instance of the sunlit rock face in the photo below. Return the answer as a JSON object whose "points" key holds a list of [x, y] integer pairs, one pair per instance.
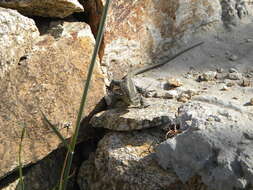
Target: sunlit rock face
{"points": [[17, 36], [53, 8], [51, 80], [145, 31]]}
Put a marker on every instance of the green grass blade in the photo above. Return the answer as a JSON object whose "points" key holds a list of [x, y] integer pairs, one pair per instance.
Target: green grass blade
{"points": [[20, 165], [55, 130], [84, 96]]}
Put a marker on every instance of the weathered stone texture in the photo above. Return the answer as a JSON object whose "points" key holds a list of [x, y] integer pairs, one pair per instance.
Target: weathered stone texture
{"points": [[216, 145], [235, 10], [17, 35], [40, 175], [45, 8], [51, 79], [159, 112], [144, 31], [125, 161]]}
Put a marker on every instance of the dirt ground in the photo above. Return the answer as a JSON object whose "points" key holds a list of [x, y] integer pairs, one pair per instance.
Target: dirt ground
{"points": [[221, 51]]}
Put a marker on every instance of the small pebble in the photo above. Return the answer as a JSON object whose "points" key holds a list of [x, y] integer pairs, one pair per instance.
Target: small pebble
{"points": [[245, 83], [220, 76], [172, 93], [225, 88], [233, 70], [227, 53], [230, 84], [219, 70], [251, 101], [233, 57], [172, 83], [208, 76], [249, 40], [235, 76]]}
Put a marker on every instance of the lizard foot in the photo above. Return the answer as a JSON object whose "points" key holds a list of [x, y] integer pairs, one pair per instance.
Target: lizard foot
{"points": [[171, 133]]}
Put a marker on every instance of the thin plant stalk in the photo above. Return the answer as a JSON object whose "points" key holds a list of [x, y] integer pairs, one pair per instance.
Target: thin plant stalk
{"points": [[21, 181], [71, 149]]}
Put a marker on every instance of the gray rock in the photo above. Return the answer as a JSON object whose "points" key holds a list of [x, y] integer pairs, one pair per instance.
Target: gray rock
{"points": [[233, 70], [233, 10], [126, 161], [159, 112], [233, 57], [218, 150], [208, 76], [235, 76]]}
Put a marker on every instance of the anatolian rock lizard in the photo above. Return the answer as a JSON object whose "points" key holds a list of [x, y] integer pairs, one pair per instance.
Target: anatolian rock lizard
{"points": [[125, 89]]}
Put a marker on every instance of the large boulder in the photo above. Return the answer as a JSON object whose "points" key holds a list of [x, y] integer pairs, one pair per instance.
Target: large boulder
{"points": [[50, 79], [53, 8], [216, 144], [126, 161], [17, 36], [146, 31]]}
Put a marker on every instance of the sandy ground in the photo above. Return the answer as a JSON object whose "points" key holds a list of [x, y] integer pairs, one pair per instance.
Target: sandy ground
{"points": [[214, 54]]}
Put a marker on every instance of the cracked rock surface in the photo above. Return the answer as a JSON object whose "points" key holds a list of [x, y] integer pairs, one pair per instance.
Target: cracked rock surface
{"points": [[126, 161], [159, 112], [216, 144]]}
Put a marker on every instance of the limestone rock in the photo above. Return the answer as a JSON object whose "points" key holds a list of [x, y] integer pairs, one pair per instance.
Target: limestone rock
{"points": [[53, 8], [208, 76], [51, 79], [145, 31], [17, 35], [235, 76], [126, 161], [172, 83], [251, 101], [233, 10], [159, 112], [216, 145]]}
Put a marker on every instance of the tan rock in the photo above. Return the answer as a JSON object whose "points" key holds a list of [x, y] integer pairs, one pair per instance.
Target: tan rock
{"points": [[251, 101], [186, 95], [208, 76], [18, 34], [245, 83], [145, 31], [51, 79], [158, 113], [53, 8], [172, 83], [126, 161]]}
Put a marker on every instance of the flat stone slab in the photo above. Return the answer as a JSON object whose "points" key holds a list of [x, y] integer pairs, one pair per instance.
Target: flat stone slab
{"points": [[160, 112]]}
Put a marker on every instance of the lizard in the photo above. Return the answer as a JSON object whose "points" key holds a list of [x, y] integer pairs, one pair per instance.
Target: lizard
{"points": [[125, 89]]}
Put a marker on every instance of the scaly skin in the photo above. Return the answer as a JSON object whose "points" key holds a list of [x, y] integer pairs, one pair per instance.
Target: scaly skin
{"points": [[126, 90]]}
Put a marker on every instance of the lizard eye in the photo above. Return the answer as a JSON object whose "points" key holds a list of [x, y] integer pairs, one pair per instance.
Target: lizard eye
{"points": [[115, 88]]}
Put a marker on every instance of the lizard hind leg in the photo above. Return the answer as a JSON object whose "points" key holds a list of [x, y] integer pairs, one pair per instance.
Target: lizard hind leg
{"points": [[143, 103]]}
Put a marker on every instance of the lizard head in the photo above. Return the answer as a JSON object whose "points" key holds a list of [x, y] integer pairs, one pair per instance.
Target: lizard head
{"points": [[115, 88]]}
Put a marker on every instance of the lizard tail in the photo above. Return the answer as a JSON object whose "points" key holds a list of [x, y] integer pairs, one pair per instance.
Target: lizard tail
{"points": [[149, 67]]}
